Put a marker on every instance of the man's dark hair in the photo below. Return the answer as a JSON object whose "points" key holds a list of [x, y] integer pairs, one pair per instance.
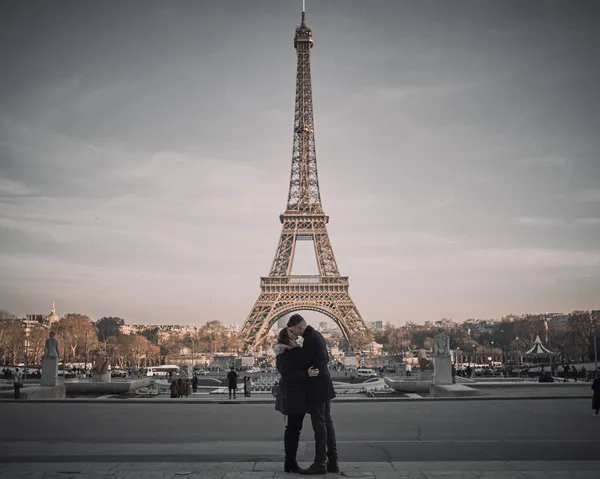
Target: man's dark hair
{"points": [[294, 320]]}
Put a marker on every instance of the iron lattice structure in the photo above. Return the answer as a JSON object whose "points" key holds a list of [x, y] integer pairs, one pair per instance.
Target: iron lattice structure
{"points": [[282, 292]]}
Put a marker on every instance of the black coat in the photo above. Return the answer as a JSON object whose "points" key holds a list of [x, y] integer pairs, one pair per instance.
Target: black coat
{"points": [[314, 354], [232, 379], [596, 396], [293, 381]]}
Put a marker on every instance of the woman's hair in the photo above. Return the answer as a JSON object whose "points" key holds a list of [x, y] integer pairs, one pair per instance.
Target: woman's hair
{"points": [[284, 337]]}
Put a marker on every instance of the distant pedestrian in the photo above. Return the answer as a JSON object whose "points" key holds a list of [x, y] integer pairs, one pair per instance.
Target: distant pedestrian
{"points": [[17, 383], [596, 395], [195, 384], [180, 387], [574, 372], [566, 371], [173, 388], [232, 377]]}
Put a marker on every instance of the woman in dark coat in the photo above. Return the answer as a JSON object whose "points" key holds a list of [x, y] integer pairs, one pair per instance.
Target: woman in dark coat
{"points": [[173, 388], [293, 389], [596, 396]]}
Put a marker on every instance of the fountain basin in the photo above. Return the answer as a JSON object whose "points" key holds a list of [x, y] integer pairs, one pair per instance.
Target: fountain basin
{"points": [[89, 388], [408, 385]]}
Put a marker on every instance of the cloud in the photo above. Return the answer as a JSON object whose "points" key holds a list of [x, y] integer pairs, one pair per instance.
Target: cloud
{"points": [[588, 221], [581, 196], [13, 188], [497, 259], [533, 221], [543, 161]]}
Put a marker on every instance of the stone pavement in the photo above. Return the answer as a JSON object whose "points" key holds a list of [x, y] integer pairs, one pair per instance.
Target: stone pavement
{"points": [[263, 470]]}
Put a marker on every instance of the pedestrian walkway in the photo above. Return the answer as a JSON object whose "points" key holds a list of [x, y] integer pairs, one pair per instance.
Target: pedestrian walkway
{"points": [[260, 470]]}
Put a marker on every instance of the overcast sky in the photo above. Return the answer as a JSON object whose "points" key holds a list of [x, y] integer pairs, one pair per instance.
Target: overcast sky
{"points": [[145, 152]]}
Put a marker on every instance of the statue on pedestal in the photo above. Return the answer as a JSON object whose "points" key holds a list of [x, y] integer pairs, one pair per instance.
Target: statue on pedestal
{"points": [[50, 361], [101, 361], [51, 347], [441, 345]]}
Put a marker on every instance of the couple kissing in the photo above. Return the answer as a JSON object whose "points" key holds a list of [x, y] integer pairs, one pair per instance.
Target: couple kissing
{"points": [[305, 388]]}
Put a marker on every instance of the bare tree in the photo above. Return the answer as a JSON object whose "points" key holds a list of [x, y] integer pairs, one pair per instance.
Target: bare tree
{"points": [[12, 337], [77, 332]]}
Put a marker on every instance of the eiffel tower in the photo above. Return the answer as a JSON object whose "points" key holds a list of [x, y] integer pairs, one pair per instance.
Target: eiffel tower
{"points": [[304, 220]]}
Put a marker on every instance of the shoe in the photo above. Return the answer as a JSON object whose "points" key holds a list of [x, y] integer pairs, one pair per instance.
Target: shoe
{"points": [[314, 469], [291, 466], [333, 466]]}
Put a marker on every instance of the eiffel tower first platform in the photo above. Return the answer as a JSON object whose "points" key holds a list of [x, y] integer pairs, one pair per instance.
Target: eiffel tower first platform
{"points": [[304, 220]]}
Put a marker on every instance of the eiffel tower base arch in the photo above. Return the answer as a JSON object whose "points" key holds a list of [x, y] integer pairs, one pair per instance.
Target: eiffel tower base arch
{"points": [[328, 296]]}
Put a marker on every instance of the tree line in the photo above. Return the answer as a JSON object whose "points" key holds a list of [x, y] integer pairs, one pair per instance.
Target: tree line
{"points": [[79, 337]]}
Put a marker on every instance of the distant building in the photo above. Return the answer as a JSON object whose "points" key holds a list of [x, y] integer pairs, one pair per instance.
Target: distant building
{"points": [[376, 325], [52, 317], [323, 326], [49, 319], [373, 348]]}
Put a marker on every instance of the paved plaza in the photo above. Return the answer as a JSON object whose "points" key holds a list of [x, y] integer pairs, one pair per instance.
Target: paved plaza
{"points": [[264, 470], [487, 438]]}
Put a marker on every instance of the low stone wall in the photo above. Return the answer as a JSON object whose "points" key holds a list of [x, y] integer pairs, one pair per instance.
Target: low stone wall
{"points": [[88, 388], [452, 390], [408, 385], [532, 384], [37, 392]]}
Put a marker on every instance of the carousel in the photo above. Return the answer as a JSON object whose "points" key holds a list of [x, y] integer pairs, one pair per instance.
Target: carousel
{"points": [[538, 353]]}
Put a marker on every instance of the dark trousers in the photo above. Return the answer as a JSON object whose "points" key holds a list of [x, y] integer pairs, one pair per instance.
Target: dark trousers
{"points": [[325, 444], [291, 437], [234, 390], [17, 390]]}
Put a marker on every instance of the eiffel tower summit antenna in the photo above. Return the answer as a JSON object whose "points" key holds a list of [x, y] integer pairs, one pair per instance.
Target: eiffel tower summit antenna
{"points": [[282, 292]]}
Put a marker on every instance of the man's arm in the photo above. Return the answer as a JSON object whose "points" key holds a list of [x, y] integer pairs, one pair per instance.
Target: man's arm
{"points": [[317, 351]]}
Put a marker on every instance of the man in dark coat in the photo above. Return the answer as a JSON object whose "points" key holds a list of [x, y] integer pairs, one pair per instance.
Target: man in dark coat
{"points": [[596, 396], [319, 393], [232, 381]]}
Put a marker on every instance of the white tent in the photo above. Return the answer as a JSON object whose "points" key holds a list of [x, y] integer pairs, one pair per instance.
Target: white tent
{"points": [[538, 348]]}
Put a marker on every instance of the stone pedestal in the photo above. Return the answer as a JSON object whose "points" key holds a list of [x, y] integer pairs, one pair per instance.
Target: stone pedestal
{"points": [[442, 370], [101, 378], [49, 372]]}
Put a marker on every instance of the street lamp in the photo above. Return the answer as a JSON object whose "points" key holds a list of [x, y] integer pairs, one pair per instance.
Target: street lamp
{"points": [[26, 351], [595, 343], [519, 353], [193, 357]]}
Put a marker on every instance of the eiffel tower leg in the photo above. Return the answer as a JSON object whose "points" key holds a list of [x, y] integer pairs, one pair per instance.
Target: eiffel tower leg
{"points": [[350, 318], [324, 253], [256, 326], [282, 264]]}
